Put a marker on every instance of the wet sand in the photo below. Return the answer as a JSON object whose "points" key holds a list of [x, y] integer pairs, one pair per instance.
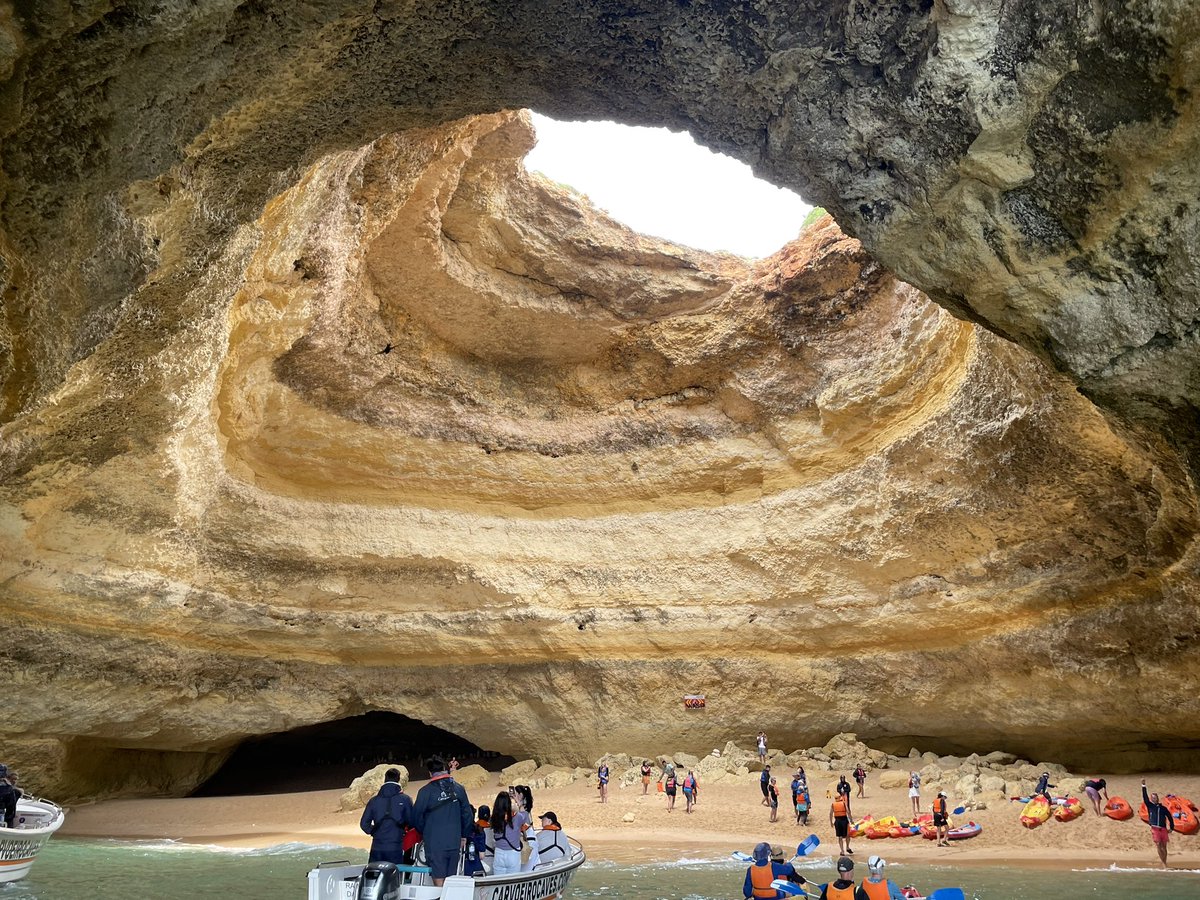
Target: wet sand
{"points": [[728, 816]]}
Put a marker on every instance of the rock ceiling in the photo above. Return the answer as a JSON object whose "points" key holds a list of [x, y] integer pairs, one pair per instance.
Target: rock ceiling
{"points": [[949, 501]]}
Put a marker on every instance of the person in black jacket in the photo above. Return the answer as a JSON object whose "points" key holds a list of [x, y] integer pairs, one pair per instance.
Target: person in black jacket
{"points": [[1161, 822], [9, 795], [442, 813], [386, 818]]}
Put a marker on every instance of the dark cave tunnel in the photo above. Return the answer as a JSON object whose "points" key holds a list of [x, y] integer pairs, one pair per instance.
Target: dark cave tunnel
{"points": [[332, 754]]}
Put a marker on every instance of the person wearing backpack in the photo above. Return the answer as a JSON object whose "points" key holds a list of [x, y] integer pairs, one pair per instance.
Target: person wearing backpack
{"points": [[386, 817]]}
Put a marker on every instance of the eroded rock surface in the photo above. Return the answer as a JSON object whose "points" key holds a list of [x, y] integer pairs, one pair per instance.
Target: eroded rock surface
{"points": [[593, 471]]}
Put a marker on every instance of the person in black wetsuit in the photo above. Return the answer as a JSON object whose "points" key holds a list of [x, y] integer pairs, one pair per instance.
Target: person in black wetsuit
{"points": [[1161, 823], [9, 795], [386, 818]]}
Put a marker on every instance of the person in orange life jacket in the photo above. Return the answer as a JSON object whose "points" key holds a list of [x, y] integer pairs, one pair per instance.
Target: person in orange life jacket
{"points": [[760, 875], [876, 887], [386, 818], [839, 818], [552, 840], [483, 822], [443, 815], [843, 888], [1161, 821], [941, 819]]}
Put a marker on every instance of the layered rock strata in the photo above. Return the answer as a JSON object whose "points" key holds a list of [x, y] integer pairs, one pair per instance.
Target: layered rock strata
{"points": [[594, 471]]}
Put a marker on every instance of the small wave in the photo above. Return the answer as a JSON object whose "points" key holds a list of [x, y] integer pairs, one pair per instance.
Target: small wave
{"points": [[167, 845], [1137, 869]]}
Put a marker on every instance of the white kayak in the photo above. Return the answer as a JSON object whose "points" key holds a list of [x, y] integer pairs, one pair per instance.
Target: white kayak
{"points": [[341, 881], [36, 821]]}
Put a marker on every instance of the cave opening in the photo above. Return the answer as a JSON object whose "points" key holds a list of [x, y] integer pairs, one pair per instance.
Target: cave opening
{"points": [[330, 755], [665, 184]]}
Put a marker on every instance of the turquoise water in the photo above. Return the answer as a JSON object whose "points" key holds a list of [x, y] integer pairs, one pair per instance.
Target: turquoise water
{"points": [[119, 870]]}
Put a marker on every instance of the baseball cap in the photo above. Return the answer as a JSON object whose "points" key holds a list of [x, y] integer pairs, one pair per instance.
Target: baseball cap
{"points": [[876, 863], [549, 815], [845, 864]]}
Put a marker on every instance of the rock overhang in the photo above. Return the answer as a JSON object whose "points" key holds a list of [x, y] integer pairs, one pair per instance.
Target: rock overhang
{"points": [[572, 447]]}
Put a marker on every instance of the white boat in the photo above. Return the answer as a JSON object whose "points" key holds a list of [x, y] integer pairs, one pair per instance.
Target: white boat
{"points": [[36, 821], [340, 881]]}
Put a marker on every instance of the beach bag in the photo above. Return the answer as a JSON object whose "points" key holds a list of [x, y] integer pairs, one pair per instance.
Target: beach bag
{"points": [[660, 787]]}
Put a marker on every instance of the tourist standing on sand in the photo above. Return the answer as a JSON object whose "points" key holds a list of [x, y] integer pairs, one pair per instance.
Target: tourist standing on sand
{"points": [[669, 787], [773, 797], [1161, 823], [860, 777], [914, 791], [1094, 787], [839, 818], [764, 781], [602, 781], [443, 815], [761, 740], [690, 789], [385, 819], [646, 773], [803, 803], [941, 820]]}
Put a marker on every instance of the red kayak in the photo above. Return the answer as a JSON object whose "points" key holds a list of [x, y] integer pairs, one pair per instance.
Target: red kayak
{"points": [[1118, 808]]}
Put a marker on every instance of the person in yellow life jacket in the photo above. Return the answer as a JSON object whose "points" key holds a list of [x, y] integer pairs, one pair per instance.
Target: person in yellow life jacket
{"points": [[839, 818], [843, 888], [760, 875], [941, 819], [875, 886]]}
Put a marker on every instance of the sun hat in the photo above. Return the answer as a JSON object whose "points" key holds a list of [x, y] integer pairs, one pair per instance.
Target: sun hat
{"points": [[845, 864], [776, 852]]}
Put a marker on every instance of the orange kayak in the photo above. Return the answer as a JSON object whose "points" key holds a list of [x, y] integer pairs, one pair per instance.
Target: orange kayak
{"points": [[1118, 808], [1184, 812]]}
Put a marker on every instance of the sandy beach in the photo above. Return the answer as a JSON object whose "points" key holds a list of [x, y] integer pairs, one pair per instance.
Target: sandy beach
{"points": [[728, 816]]}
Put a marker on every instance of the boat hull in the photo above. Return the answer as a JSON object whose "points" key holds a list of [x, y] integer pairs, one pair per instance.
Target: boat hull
{"points": [[36, 821], [340, 882]]}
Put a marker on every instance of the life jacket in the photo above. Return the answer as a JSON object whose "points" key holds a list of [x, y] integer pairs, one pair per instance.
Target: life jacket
{"points": [[939, 805], [839, 808], [689, 783], [840, 893], [760, 881], [670, 782], [876, 890]]}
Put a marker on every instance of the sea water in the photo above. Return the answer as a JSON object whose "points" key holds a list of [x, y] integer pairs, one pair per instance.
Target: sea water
{"points": [[73, 869]]}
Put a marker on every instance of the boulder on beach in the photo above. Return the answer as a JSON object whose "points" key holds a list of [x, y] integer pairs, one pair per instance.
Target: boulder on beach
{"points": [[473, 777], [367, 785]]}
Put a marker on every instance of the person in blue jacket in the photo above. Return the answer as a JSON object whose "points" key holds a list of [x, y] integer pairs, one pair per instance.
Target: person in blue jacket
{"points": [[442, 813], [387, 816]]}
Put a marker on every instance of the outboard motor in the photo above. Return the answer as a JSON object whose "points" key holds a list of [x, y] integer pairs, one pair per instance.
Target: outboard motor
{"points": [[379, 881]]}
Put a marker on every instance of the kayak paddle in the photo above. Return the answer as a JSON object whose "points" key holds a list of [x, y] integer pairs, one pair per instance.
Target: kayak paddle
{"points": [[947, 894], [807, 845], [792, 890], [742, 857]]}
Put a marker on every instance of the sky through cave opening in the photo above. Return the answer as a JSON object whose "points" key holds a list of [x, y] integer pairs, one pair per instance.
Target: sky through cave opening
{"points": [[662, 183]]}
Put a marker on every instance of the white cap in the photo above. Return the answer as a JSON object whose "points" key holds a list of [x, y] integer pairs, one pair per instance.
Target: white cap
{"points": [[876, 863]]}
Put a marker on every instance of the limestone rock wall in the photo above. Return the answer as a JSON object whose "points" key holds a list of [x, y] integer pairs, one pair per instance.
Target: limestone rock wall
{"points": [[594, 471]]}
